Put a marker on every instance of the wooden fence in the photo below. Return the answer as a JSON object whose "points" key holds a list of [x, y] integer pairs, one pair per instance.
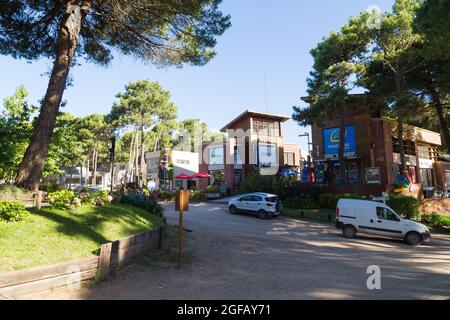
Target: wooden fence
{"points": [[113, 256], [30, 199]]}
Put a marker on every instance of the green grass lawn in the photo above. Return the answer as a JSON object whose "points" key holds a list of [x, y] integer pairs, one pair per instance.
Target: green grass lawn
{"points": [[320, 215], [52, 236]]}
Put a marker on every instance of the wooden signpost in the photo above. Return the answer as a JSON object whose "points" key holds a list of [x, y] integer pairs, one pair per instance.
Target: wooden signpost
{"points": [[181, 205]]}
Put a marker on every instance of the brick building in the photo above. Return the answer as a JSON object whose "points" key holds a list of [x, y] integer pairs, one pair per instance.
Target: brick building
{"points": [[372, 150], [255, 142]]}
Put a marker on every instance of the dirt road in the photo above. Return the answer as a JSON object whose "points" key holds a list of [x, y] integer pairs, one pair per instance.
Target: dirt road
{"points": [[241, 257]]}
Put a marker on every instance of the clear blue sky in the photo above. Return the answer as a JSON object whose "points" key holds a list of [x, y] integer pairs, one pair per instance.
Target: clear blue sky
{"points": [[268, 39]]}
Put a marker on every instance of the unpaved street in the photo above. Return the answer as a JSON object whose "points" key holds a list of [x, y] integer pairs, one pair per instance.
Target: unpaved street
{"points": [[241, 257]]}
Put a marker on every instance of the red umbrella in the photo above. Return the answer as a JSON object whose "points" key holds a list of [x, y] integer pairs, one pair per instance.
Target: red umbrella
{"points": [[201, 175], [183, 176]]}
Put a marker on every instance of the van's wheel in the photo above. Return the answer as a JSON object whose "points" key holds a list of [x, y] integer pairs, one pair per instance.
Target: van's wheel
{"points": [[233, 210], [349, 232], [413, 238], [262, 214]]}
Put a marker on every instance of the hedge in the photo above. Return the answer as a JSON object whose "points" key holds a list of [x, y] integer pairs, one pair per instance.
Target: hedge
{"points": [[404, 205]]}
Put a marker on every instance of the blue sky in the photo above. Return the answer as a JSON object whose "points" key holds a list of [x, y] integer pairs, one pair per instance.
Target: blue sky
{"points": [[268, 40]]}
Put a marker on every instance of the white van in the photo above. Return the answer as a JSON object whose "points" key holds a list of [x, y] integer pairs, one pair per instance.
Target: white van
{"points": [[362, 216]]}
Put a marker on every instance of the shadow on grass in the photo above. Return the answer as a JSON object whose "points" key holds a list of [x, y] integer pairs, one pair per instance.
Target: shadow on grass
{"points": [[90, 222]]}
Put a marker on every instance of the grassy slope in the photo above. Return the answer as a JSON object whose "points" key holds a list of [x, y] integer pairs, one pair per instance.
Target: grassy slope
{"points": [[52, 236]]}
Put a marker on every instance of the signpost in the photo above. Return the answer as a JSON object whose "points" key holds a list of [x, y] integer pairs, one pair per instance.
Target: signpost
{"points": [[181, 205], [384, 197]]}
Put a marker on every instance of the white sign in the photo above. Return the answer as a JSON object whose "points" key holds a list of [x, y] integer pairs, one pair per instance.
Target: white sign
{"points": [[425, 163]]}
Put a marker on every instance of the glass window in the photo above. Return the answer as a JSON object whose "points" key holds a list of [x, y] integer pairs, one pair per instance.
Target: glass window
{"points": [[216, 155], [268, 155], [386, 214], [246, 198], [289, 158]]}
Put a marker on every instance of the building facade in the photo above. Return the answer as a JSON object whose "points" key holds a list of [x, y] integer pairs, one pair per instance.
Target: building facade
{"points": [[164, 165], [255, 142], [372, 151]]}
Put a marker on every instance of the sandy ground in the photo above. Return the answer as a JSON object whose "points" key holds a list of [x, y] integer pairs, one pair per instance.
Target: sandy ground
{"points": [[241, 257]]}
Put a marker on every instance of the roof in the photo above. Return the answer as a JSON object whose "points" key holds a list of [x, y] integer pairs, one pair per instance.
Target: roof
{"points": [[255, 113]]}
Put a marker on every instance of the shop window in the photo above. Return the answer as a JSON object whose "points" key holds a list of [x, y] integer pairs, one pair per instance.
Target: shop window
{"points": [[426, 177], [289, 158]]}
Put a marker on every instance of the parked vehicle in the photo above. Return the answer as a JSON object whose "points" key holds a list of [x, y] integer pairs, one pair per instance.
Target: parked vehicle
{"points": [[265, 205], [362, 216]]}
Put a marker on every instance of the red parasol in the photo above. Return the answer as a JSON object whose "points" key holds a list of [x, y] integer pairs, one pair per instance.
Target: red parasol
{"points": [[183, 176], [201, 175]]}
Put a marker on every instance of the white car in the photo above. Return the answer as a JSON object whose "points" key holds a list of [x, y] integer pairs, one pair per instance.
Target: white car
{"points": [[362, 216], [265, 205]]}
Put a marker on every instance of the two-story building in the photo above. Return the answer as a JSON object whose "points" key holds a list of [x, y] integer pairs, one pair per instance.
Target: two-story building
{"points": [[372, 150], [255, 142]]}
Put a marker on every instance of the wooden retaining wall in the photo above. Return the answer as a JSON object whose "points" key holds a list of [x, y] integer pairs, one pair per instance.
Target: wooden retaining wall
{"points": [[113, 256], [30, 199]]}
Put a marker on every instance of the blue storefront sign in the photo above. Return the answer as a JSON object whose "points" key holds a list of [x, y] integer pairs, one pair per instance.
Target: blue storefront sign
{"points": [[331, 139]]}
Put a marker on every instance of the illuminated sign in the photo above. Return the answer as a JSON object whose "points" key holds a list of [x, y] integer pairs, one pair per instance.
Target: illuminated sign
{"points": [[332, 137]]}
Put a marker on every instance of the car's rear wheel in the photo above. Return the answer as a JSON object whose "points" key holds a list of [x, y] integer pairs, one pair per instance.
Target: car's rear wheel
{"points": [[349, 232], [262, 214], [413, 238], [233, 210]]}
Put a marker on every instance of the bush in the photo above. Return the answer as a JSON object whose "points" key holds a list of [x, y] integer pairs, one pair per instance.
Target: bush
{"points": [[329, 201], [435, 220], [64, 199], [300, 203], [8, 189], [12, 211], [166, 195], [197, 196], [213, 189], [143, 201], [405, 206], [257, 183], [53, 187]]}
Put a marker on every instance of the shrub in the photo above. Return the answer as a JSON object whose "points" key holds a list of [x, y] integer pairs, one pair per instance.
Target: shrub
{"points": [[329, 201], [12, 211], [213, 189], [64, 199], [166, 195], [8, 189], [300, 203], [405, 206], [435, 220], [197, 196], [143, 201], [257, 183], [52, 187]]}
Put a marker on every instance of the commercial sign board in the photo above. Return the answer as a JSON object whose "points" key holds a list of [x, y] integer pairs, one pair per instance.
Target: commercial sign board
{"points": [[332, 137], [425, 163]]}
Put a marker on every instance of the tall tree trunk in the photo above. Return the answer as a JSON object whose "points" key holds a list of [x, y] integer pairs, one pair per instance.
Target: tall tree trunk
{"points": [[88, 173], [400, 130], [143, 164], [94, 174], [136, 161], [437, 103], [131, 161], [32, 164], [342, 134]]}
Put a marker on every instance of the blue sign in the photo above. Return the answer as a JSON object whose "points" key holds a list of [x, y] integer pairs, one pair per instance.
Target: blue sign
{"points": [[332, 137]]}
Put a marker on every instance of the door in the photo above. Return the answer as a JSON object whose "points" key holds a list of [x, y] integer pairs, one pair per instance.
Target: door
{"points": [[256, 204], [244, 203], [388, 223]]}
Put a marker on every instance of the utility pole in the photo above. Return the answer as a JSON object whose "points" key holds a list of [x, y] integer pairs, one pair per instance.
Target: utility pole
{"points": [[111, 158]]}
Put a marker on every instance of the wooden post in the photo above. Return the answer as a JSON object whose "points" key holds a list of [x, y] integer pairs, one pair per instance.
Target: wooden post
{"points": [[104, 261], [39, 200], [181, 205], [181, 235]]}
